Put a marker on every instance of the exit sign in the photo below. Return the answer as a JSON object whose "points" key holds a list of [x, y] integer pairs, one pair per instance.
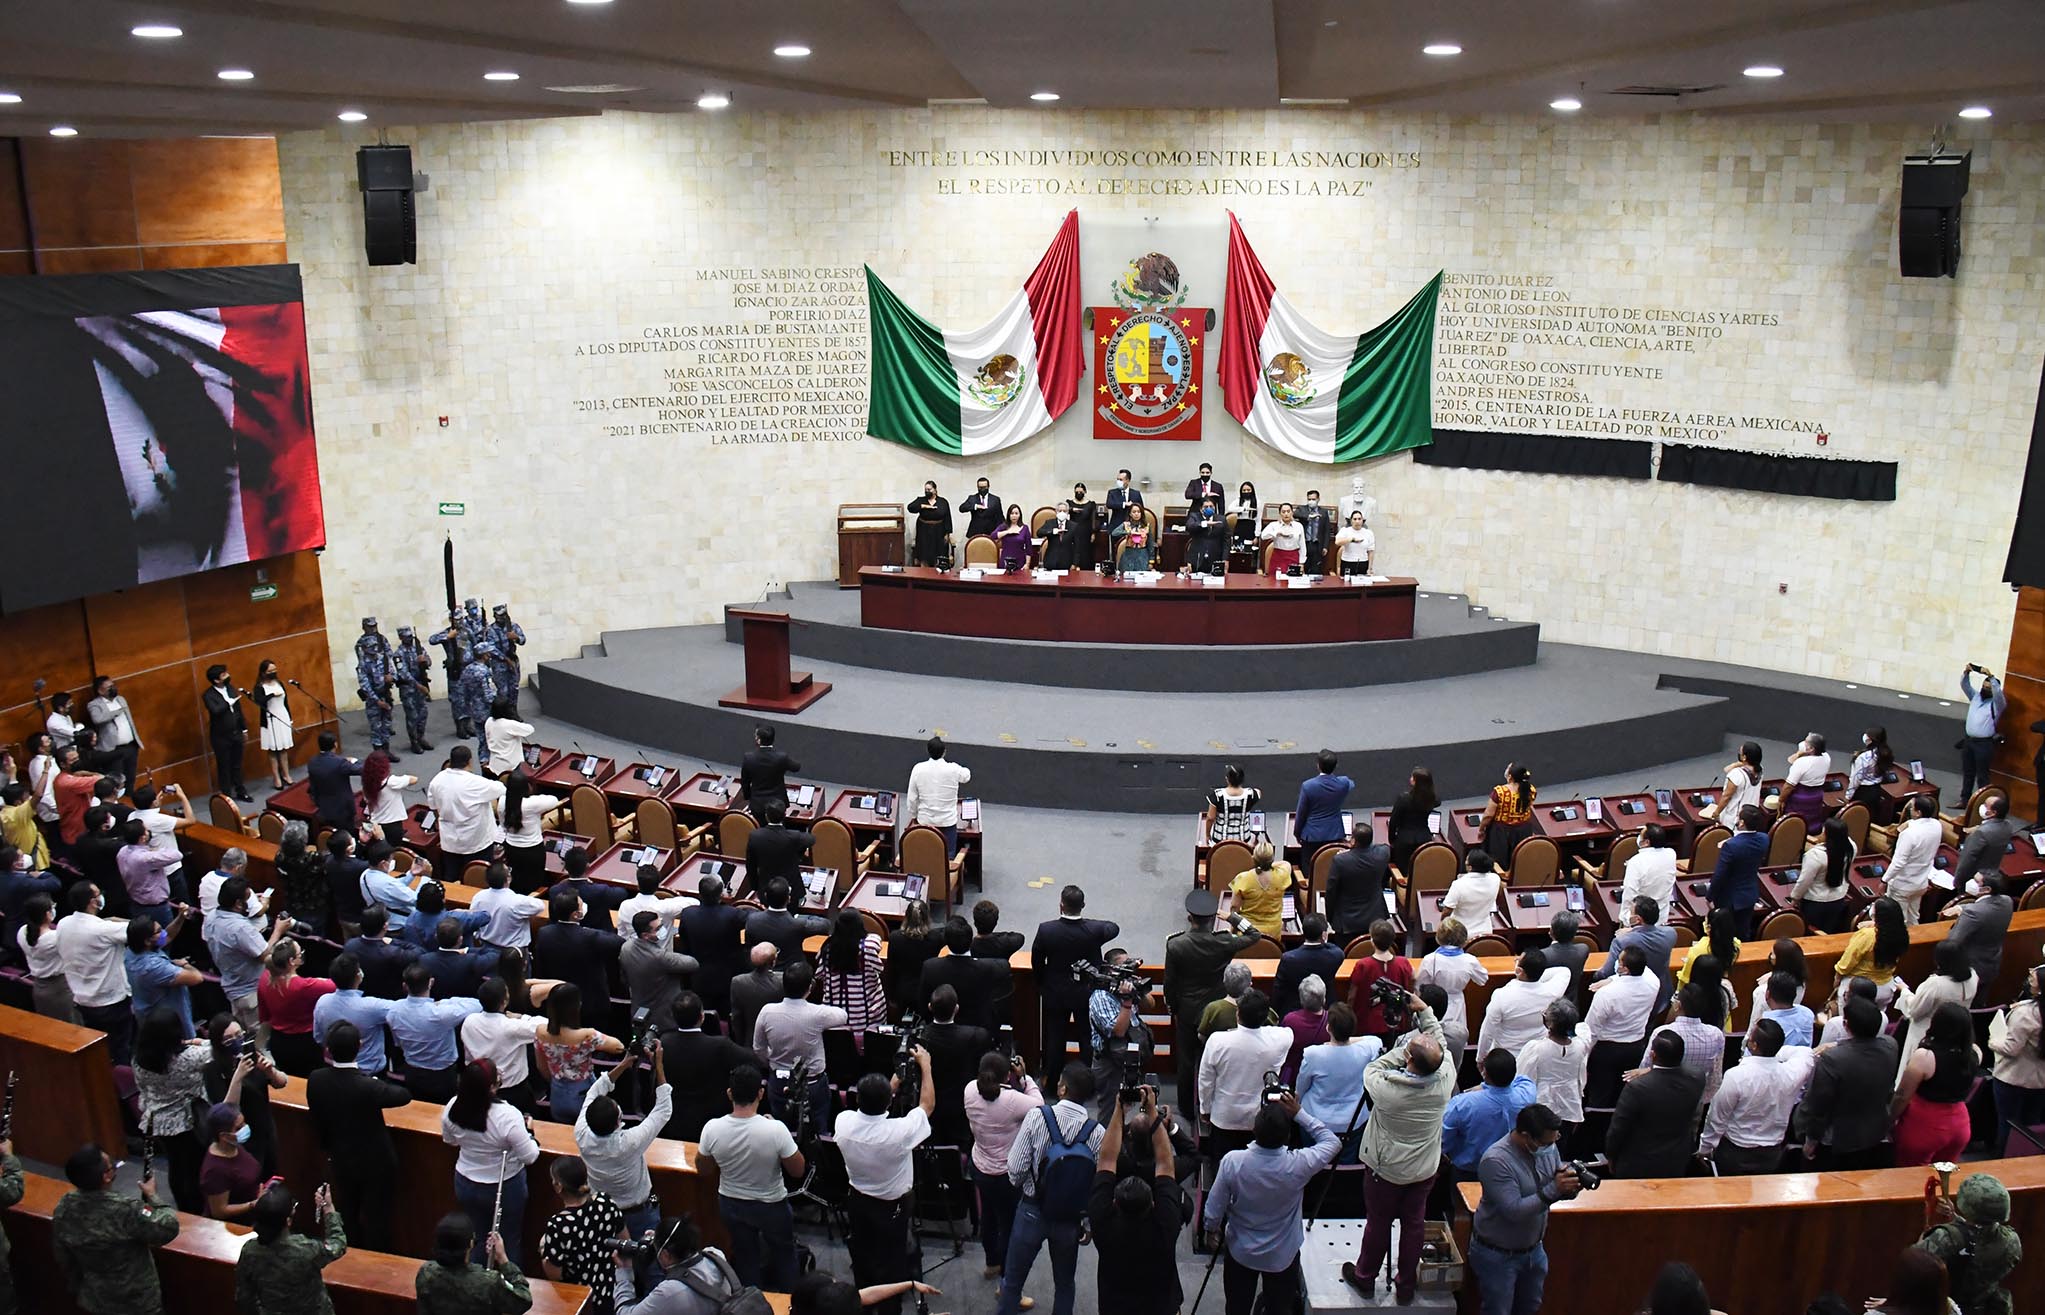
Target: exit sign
{"points": [[454, 508], [262, 593]]}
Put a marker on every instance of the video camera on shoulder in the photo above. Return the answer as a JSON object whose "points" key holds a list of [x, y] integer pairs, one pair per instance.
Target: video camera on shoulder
{"points": [[1274, 1090], [1390, 997], [1118, 979], [641, 1043]]}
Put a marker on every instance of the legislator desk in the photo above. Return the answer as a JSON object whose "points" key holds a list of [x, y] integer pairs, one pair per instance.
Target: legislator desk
{"points": [[1768, 1243], [538, 758], [1527, 917], [196, 1268], [1082, 607], [572, 769], [64, 1077], [636, 781], [619, 863], [707, 796], [1576, 835], [680, 1179]]}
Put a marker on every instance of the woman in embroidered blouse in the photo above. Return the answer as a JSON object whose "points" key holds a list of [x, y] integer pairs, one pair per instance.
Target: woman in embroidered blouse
{"points": [[1509, 816], [567, 1052], [1864, 778], [1132, 539], [1229, 808]]}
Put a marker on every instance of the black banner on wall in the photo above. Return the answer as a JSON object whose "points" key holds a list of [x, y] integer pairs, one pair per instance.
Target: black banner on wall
{"points": [[1539, 454], [1800, 477], [2026, 565]]}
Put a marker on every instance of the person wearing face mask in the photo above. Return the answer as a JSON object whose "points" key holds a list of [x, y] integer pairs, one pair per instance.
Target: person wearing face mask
{"points": [[1356, 544], [1245, 513], [1131, 540], [229, 1177], [1320, 533], [1207, 537], [982, 509], [1086, 520], [227, 728], [1119, 499], [114, 724], [1288, 540], [1985, 707], [1060, 541], [273, 722], [1203, 487], [1803, 786], [933, 526], [1864, 777], [1012, 541]]}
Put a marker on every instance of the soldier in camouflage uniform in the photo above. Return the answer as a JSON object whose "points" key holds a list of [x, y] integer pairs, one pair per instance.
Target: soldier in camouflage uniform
{"points": [[449, 1285], [1977, 1246], [103, 1240], [474, 692], [279, 1272], [373, 682], [12, 1185], [474, 627], [449, 638], [507, 635], [413, 671]]}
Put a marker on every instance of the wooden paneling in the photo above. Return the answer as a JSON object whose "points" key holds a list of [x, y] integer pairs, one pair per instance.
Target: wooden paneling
{"points": [[66, 1094], [221, 253], [13, 219], [140, 628], [81, 192], [2026, 688], [212, 189], [221, 615], [43, 643], [90, 260], [16, 262]]}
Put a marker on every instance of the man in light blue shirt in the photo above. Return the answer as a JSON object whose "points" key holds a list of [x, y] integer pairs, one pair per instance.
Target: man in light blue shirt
{"points": [[425, 1031], [154, 978], [422, 929], [240, 951], [398, 896], [1984, 710], [1479, 1117], [347, 1004], [1256, 1200], [1795, 1020]]}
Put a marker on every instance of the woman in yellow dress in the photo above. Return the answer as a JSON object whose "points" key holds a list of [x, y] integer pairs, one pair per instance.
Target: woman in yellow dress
{"points": [[1260, 892]]}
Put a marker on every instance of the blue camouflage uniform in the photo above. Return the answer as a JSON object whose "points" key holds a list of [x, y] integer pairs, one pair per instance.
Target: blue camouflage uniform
{"points": [[413, 671], [506, 635], [373, 682], [472, 622], [474, 690]]}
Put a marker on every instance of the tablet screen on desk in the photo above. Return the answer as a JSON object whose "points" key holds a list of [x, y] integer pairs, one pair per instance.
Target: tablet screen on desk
{"points": [[1663, 800], [1434, 823]]}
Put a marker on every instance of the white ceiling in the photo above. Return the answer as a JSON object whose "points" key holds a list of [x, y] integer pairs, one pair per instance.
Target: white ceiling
{"points": [[422, 61]]}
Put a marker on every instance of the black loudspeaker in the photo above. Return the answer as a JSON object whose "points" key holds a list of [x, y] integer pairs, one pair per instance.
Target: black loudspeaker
{"points": [[1928, 229], [389, 228]]}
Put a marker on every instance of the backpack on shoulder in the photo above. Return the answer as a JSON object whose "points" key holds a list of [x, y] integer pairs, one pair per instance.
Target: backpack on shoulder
{"points": [[728, 1295], [1066, 1179]]}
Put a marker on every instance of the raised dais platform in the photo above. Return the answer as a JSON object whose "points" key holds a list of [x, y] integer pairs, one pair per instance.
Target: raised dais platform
{"points": [[1083, 606]]}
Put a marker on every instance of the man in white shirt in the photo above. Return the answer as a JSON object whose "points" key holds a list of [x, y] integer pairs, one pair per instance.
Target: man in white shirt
{"points": [[1748, 1124], [1232, 1068], [880, 1165], [93, 950], [233, 863], [648, 900], [502, 1038], [1472, 898], [510, 913], [933, 798], [61, 725], [161, 827], [1622, 1004], [1513, 1016], [467, 804], [1910, 866], [1448, 967], [1652, 870], [616, 1155]]}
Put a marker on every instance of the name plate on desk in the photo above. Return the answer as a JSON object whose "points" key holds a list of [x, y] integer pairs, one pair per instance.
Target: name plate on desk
{"points": [[1300, 581], [971, 573], [1041, 574], [1213, 581]]}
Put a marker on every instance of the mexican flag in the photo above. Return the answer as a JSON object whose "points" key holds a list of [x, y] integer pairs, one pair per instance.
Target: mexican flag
{"points": [[1316, 395], [978, 390]]}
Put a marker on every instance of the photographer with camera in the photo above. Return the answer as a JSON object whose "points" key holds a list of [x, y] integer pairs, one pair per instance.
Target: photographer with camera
{"points": [[1136, 1218], [1122, 1044], [694, 1278], [1051, 1163], [881, 1170], [1409, 1090], [1522, 1175], [1257, 1205]]}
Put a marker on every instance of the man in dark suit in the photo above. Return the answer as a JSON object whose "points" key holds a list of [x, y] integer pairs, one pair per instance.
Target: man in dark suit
{"points": [[1980, 928], [456, 971], [972, 981], [383, 960], [347, 1108], [713, 933], [1736, 881], [753, 991], [763, 772], [1357, 881], [989, 943], [700, 1065], [599, 898], [1119, 500], [227, 728], [955, 1048], [777, 923], [1985, 845], [1845, 1113], [344, 879], [567, 949], [983, 510], [1205, 486], [1562, 950], [327, 774], [1654, 1129], [1060, 943], [775, 850], [1315, 956]]}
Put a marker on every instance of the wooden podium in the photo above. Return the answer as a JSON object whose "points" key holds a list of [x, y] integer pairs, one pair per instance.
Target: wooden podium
{"points": [[770, 686]]}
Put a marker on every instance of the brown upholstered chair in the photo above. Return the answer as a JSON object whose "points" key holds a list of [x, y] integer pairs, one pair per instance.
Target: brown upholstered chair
{"points": [[225, 815], [1489, 947], [1265, 948], [834, 850], [1786, 840], [1535, 862], [1785, 923], [270, 826], [1704, 857], [732, 829], [1856, 819], [1228, 860], [981, 551], [591, 816], [923, 855], [1614, 866]]}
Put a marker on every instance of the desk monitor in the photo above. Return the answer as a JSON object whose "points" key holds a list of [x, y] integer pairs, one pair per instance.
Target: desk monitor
{"points": [[1392, 902], [1348, 823], [1917, 769], [1594, 809], [1434, 822], [969, 810], [428, 820], [915, 886], [588, 765], [1664, 800], [1576, 899], [532, 756], [2038, 842]]}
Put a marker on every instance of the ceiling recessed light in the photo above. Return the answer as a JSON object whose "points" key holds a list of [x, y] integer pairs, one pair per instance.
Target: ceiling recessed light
{"points": [[9, 98], [712, 100], [1044, 95], [1568, 104], [1442, 48], [235, 75], [501, 75], [793, 50], [1977, 112], [351, 116], [589, 2], [157, 31], [62, 131], [1762, 71]]}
